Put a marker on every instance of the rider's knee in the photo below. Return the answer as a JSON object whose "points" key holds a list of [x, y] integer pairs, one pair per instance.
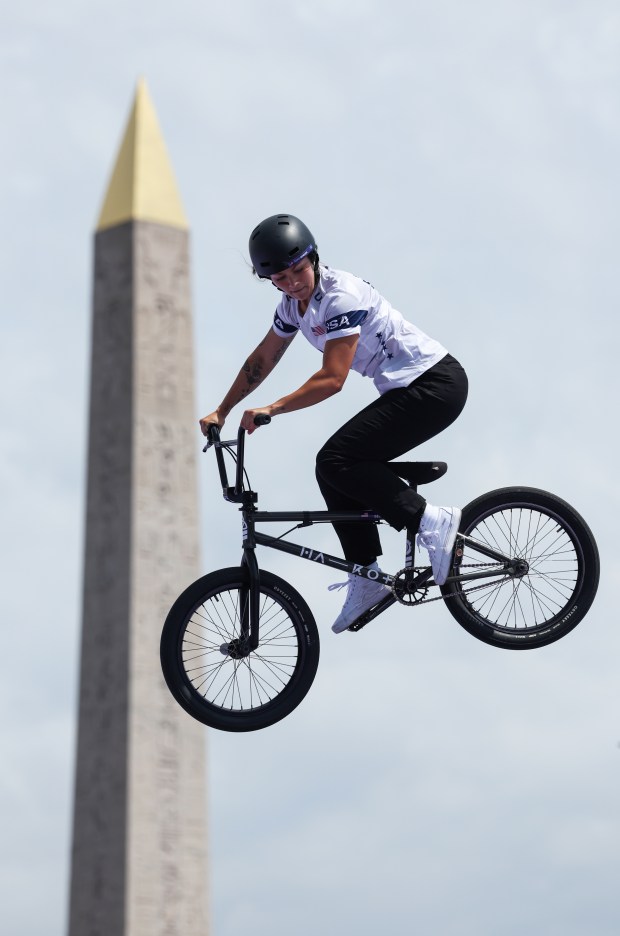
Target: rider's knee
{"points": [[326, 462]]}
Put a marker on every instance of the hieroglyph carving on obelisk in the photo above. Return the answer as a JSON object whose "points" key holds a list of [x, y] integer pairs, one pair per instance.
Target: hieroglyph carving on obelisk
{"points": [[139, 864]]}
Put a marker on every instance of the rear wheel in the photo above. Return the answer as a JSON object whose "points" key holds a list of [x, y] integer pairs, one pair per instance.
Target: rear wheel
{"points": [[208, 666], [556, 573]]}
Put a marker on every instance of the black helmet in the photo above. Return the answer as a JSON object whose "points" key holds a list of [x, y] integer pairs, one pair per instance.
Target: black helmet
{"points": [[278, 242]]}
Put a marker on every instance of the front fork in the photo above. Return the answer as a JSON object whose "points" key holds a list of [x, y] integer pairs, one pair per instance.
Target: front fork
{"points": [[250, 593]]}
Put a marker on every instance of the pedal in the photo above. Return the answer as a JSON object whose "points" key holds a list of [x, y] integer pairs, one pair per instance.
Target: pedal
{"points": [[371, 614], [364, 618], [458, 550], [361, 622]]}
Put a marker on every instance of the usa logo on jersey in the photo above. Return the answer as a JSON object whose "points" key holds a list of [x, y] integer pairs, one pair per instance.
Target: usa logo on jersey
{"points": [[346, 320]]}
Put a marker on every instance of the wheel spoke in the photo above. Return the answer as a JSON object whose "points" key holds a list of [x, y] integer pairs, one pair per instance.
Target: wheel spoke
{"points": [[520, 603], [241, 683]]}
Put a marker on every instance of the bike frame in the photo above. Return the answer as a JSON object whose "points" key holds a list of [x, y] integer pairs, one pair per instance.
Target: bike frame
{"points": [[251, 538]]}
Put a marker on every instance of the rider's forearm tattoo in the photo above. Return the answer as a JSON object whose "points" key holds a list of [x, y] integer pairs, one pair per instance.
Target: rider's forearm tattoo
{"points": [[254, 370], [281, 350], [253, 375]]}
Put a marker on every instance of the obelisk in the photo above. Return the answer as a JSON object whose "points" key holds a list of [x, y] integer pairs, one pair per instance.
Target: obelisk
{"points": [[139, 865]]}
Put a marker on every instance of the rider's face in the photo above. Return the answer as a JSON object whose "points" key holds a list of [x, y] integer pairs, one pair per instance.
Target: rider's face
{"points": [[297, 282]]}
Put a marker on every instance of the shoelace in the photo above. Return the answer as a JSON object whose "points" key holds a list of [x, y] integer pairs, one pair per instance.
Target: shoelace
{"points": [[427, 540], [337, 585], [352, 583]]}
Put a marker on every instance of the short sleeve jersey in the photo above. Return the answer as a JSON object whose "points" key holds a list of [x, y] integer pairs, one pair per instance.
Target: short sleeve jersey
{"points": [[391, 351]]}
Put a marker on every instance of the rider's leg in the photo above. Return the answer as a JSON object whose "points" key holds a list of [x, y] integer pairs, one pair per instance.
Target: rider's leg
{"points": [[360, 542], [351, 466]]}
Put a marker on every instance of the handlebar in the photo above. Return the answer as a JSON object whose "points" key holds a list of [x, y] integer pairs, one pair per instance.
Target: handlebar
{"points": [[213, 431], [213, 436], [262, 419]]}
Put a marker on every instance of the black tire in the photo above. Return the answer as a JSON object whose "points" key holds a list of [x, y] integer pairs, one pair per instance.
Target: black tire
{"points": [[547, 602], [238, 693]]}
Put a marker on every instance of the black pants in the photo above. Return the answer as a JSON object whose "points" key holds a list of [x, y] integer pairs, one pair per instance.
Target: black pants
{"points": [[351, 468]]}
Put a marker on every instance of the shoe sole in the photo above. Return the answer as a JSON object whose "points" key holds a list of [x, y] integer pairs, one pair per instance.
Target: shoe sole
{"points": [[447, 551], [342, 627]]}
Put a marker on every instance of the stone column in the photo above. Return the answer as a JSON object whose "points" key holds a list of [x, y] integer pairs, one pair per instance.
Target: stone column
{"points": [[139, 865]]}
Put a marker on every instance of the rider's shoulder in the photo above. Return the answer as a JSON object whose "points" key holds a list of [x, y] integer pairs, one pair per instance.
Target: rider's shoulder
{"points": [[339, 286], [286, 317]]}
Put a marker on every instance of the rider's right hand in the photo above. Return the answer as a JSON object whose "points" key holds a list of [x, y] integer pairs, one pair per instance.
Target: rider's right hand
{"points": [[213, 419]]}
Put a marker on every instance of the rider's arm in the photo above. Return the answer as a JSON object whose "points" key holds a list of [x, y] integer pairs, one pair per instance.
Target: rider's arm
{"points": [[337, 360], [259, 365]]}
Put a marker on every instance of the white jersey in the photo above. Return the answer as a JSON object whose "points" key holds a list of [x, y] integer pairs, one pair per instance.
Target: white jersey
{"points": [[390, 350]]}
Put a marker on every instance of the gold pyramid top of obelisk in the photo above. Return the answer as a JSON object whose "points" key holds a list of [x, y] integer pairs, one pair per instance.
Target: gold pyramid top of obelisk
{"points": [[142, 186]]}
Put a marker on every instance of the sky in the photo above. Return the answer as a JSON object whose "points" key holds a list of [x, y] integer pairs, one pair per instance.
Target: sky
{"points": [[464, 158]]}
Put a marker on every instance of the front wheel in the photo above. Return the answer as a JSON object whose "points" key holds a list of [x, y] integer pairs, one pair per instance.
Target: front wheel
{"points": [[208, 667], [557, 565]]}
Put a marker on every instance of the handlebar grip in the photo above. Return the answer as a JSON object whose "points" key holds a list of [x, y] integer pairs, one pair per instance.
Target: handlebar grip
{"points": [[262, 419]]}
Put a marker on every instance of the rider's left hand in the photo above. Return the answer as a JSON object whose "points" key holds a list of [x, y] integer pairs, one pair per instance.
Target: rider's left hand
{"points": [[247, 420]]}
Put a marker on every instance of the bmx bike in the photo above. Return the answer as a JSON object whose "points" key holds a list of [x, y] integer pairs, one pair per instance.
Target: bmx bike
{"points": [[240, 646]]}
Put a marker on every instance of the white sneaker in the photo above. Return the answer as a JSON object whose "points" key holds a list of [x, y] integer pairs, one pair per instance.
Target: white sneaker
{"points": [[438, 529], [363, 594]]}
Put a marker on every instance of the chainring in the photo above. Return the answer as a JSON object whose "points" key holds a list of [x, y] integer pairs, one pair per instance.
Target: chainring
{"points": [[404, 590]]}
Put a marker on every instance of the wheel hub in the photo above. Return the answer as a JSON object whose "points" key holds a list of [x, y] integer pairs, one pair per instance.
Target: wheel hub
{"points": [[237, 649], [519, 568]]}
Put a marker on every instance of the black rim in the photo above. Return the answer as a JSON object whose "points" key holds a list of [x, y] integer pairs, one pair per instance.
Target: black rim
{"points": [[214, 661], [546, 592]]}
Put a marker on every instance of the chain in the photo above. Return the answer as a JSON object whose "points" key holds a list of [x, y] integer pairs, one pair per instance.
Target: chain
{"points": [[362, 621], [463, 591]]}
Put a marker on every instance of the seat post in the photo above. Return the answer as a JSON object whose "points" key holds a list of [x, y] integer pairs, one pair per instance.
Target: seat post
{"points": [[410, 546]]}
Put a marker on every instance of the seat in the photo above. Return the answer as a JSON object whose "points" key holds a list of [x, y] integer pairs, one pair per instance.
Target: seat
{"points": [[418, 472]]}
